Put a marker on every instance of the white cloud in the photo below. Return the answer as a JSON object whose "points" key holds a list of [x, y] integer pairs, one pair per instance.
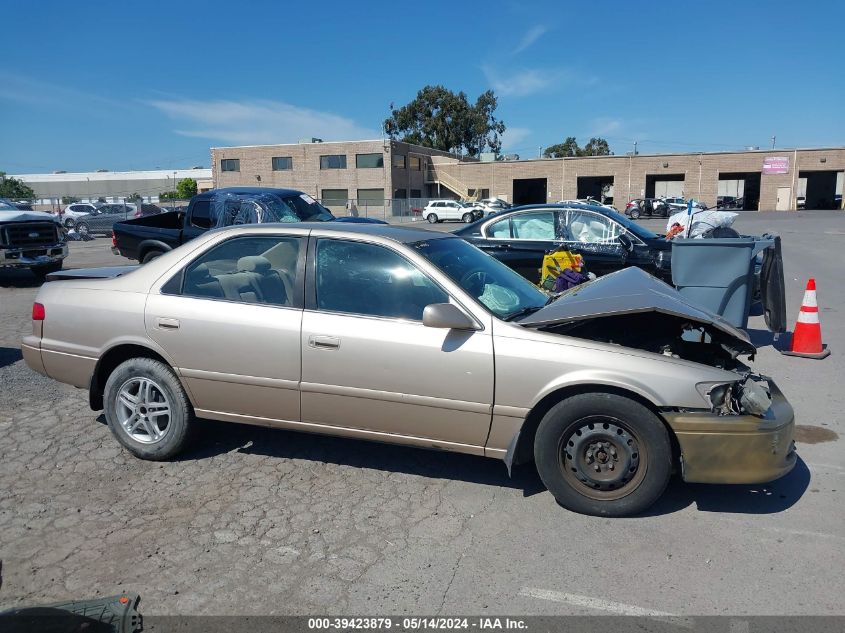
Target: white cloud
{"points": [[520, 83], [605, 125], [533, 34], [259, 122], [513, 136]]}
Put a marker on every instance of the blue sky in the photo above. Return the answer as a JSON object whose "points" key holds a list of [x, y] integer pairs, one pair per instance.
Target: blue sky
{"points": [[120, 85]]}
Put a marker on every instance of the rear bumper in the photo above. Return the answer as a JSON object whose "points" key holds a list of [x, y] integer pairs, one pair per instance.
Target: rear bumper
{"points": [[32, 256], [31, 352], [737, 449]]}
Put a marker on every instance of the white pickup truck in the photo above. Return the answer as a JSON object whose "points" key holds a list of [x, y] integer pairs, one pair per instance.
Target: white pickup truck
{"points": [[30, 239]]}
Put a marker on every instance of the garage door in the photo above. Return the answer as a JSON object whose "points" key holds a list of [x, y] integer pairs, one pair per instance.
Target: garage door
{"points": [[668, 188]]}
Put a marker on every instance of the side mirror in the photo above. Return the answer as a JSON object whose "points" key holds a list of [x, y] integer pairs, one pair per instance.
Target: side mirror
{"points": [[626, 242], [447, 316]]}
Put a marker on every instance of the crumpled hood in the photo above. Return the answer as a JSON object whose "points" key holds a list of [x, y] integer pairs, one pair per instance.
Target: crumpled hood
{"points": [[26, 216], [630, 291]]}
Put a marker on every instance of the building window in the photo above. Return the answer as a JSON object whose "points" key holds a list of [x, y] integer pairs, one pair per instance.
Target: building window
{"points": [[369, 161], [416, 193], [416, 163], [370, 197], [400, 194], [230, 164], [282, 163], [335, 197], [399, 161], [333, 161]]}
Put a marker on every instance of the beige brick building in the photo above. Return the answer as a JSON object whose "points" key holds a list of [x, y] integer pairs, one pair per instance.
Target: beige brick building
{"points": [[397, 175]]}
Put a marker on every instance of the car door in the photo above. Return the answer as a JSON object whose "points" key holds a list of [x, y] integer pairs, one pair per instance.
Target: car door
{"points": [[453, 211], [230, 321], [521, 239], [596, 237], [368, 362]]}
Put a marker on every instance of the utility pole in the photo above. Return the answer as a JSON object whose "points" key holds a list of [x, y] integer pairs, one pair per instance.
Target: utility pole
{"points": [[635, 148], [773, 141], [539, 151]]}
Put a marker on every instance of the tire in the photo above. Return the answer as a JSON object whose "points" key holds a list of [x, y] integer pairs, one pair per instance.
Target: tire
{"points": [[69, 223], [42, 271], [136, 377], [82, 228], [150, 256], [624, 434], [467, 218], [635, 214], [432, 218]]}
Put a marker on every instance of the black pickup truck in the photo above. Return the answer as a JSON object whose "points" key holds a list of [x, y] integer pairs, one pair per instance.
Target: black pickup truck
{"points": [[145, 238]]}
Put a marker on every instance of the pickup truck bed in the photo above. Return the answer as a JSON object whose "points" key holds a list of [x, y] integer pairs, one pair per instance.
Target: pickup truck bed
{"points": [[138, 238]]}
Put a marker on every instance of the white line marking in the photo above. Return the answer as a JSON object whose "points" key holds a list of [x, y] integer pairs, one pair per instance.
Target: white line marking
{"points": [[592, 603], [825, 466]]}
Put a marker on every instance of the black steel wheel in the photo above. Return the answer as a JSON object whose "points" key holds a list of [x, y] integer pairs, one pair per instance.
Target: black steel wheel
{"points": [[603, 454]]}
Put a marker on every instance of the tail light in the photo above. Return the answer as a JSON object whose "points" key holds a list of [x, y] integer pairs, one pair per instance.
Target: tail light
{"points": [[113, 239], [137, 213], [38, 312]]}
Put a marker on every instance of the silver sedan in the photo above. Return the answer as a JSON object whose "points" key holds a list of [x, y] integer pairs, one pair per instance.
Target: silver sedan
{"points": [[417, 338]]}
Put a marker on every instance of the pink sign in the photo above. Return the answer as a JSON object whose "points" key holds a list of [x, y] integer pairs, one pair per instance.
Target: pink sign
{"points": [[776, 165]]}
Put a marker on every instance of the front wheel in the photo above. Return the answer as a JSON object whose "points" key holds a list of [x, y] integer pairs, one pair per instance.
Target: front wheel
{"points": [[432, 218], [603, 454], [147, 409], [635, 214], [69, 222], [467, 218], [82, 228]]}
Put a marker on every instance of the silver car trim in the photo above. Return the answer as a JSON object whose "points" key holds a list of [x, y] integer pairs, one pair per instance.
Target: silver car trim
{"points": [[259, 381], [321, 428], [511, 412], [402, 398]]}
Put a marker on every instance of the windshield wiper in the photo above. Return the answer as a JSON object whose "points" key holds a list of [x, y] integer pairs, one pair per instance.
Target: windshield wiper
{"points": [[521, 312]]}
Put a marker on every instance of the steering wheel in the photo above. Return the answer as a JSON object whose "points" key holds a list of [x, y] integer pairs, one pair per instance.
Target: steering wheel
{"points": [[474, 282]]}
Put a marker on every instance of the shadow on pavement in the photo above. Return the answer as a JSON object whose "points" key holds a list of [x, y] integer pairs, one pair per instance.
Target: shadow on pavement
{"points": [[766, 338], [19, 279], [769, 498], [9, 355], [216, 438]]}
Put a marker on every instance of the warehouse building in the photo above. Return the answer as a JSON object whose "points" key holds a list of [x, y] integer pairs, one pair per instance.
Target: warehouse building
{"points": [[110, 186], [398, 176]]}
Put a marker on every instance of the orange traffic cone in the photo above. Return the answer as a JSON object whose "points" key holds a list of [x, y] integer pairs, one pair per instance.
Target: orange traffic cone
{"points": [[807, 336]]}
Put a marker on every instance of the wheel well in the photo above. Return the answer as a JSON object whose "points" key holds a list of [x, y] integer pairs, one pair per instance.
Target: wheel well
{"points": [[107, 364], [524, 451]]}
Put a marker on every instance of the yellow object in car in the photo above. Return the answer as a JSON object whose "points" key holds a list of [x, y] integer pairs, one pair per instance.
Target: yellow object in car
{"points": [[555, 263]]}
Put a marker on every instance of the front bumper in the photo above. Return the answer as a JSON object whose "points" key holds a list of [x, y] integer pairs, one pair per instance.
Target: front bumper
{"points": [[32, 256], [737, 449]]}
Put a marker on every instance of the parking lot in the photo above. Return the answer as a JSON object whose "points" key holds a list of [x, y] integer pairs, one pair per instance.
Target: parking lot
{"points": [[258, 521]]}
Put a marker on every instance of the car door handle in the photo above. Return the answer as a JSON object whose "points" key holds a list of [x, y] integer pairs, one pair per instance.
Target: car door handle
{"points": [[167, 324], [323, 342]]}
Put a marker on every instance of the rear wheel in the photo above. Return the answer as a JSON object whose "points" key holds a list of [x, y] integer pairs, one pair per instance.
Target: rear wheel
{"points": [[69, 222], [150, 256], [603, 454], [82, 228], [467, 218], [147, 409], [432, 218]]}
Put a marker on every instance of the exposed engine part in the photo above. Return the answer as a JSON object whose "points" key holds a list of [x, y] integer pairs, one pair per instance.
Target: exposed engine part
{"points": [[754, 398]]}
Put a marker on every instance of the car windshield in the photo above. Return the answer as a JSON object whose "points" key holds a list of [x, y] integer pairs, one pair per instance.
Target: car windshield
{"points": [[502, 291]]}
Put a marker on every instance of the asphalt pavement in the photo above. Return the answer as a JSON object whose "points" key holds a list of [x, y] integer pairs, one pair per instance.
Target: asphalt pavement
{"points": [[258, 521]]}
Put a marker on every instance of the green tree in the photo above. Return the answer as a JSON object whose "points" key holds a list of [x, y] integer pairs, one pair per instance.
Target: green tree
{"points": [[69, 199], [186, 188], [566, 149], [596, 147], [444, 120], [569, 148], [15, 189]]}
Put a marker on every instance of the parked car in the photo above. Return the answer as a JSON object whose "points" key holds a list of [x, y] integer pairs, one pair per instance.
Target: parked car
{"points": [[103, 218], [72, 212], [30, 239], [607, 240], [730, 202], [800, 202], [312, 328], [591, 201], [494, 204], [652, 207], [440, 210], [145, 238]]}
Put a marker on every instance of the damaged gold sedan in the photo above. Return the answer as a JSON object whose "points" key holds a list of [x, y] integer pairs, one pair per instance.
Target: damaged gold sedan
{"points": [[418, 338]]}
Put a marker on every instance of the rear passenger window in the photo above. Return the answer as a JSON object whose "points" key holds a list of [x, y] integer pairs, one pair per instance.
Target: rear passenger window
{"points": [[358, 278], [246, 269]]}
